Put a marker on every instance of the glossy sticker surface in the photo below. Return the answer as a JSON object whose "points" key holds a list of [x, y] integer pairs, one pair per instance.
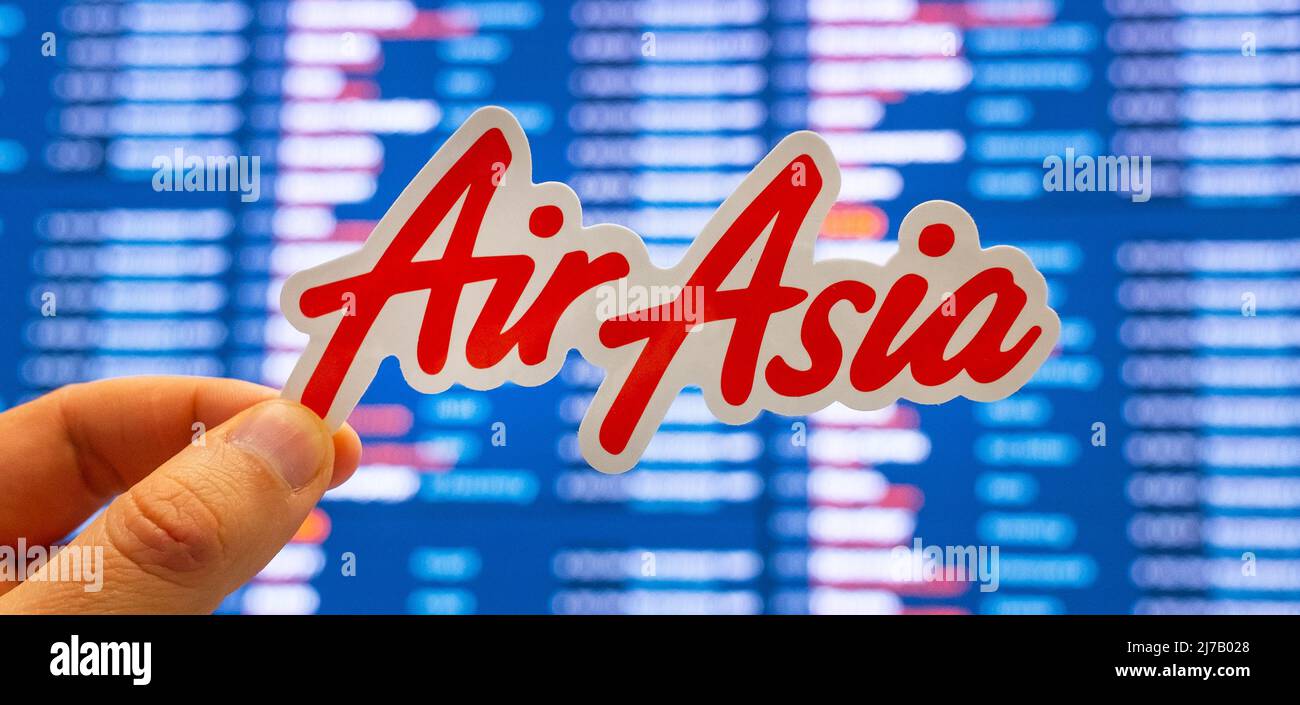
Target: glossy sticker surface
{"points": [[477, 276]]}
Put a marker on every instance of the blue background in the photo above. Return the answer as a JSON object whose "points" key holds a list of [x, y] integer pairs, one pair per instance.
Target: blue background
{"points": [[442, 549]]}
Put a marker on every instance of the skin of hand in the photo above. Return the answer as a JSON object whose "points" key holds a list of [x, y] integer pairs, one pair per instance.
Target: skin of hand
{"points": [[193, 511]]}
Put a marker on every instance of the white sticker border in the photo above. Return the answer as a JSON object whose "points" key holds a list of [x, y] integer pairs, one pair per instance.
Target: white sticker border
{"points": [[698, 362]]}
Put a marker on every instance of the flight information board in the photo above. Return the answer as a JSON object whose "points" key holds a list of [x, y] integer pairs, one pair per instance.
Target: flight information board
{"points": [[1144, 153]]}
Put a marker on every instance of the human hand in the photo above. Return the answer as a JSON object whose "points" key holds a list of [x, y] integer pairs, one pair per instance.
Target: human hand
{"points": [[187, 521]]}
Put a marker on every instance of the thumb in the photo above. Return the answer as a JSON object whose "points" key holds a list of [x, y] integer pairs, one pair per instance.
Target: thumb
{"points": [[203, 523]]}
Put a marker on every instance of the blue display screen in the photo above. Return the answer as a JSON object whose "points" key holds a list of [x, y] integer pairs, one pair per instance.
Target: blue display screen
{"points": [[1152, 464]]}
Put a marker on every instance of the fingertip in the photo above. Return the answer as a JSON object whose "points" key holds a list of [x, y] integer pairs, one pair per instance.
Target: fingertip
{"points": [[347, 455], [288, 437]]}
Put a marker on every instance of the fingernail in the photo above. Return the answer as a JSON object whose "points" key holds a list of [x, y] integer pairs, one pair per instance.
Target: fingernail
{"points": [[287, 436]]}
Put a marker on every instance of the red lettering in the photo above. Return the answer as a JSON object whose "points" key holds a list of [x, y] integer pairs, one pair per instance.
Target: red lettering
{"points": [[983, 358], [820, 342], [785, 199], [644, 342], [476, 176]]}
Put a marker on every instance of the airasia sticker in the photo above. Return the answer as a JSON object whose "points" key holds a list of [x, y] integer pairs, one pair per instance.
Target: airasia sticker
{"points": [[478, 276]]}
